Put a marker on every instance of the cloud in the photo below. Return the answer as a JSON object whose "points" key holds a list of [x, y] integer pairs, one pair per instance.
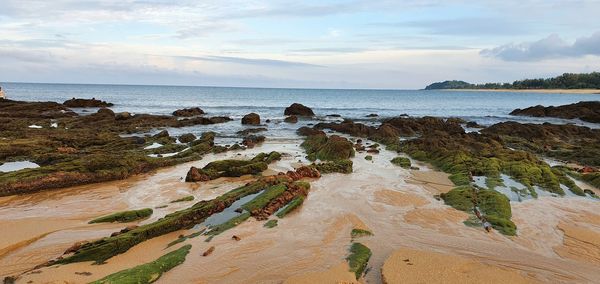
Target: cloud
{"points": [[249, 61], [550, 47], [462, 26]]}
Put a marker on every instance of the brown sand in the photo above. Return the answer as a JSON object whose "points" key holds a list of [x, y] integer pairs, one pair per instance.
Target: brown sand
{"points": [[417, 266], [400, 199], [548, 91], [339, 274], [434, 181], [580, 243]]}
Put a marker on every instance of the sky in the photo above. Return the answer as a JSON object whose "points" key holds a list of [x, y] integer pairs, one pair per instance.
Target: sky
{"points": [[305, 44]]}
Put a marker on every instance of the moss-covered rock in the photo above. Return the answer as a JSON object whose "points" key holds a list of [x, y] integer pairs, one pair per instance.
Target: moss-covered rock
{"points": [[149, 272], [330, 148], [271, 224], [293, 205], [358, 259], [338, 166], [124, 216], [401, 162], [357, 233], [184, 199]]}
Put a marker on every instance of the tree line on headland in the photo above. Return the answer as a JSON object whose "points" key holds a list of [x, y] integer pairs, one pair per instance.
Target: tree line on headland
{"points": [[564, 81]]}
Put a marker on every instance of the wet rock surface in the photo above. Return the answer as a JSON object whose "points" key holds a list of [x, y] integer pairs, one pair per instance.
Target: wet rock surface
{"points": [[586, 111], [187, 112], [251, 119], [298, 109], [82, 103]]}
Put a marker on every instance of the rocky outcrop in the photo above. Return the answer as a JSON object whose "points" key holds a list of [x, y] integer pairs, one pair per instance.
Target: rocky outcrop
{"points": [[298, 109], [187, 112], [251, 140], [586, 111], [291, 119], [187, 138], [194, 175], [251, 119], [93, 102]]}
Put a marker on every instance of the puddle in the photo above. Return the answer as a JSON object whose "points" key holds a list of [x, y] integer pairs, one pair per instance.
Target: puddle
{"points": [[227, 214], [153, 146], [167, 154], [35, 126], [15, 166]]}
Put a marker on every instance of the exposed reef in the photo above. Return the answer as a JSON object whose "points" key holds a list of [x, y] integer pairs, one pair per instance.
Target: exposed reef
{"points": [[586, 111]]}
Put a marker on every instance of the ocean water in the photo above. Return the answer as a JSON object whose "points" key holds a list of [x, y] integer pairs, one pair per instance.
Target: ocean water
{"points": [[485, 108]]}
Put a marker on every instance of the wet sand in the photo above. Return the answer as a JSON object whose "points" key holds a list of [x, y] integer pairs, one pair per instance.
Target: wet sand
{"points": [[397, 205]]}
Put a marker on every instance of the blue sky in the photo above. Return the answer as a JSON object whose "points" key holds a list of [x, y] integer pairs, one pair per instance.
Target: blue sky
{"points": [[320, 44]]}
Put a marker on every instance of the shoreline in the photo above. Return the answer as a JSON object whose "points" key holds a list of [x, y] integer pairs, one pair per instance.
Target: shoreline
{"points": [[542, 91]]}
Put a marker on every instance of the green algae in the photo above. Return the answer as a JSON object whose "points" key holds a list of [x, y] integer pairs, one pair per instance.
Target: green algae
{"points": [[149, 272], [184, 199], [330, 148], [220, 228], [357, 233], [401, 162], [337, 166], [291, 206], [265, 197], [271, 224], [358, 259], [124, 216], [368, 157]]}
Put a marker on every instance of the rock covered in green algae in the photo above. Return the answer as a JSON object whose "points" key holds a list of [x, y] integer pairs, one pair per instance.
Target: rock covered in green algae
{"points": [[124, 216], [149, 272], [337, 166], [401, 162], [358, 259], [232, 168], [330, 148]]}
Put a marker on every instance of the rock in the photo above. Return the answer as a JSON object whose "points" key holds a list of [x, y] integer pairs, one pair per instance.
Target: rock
{"points": [[268, 121], [187, 112], [123, 115], [208, 251], [252, 140], [187, 138], [106, 112], [251, 131], [236, 238], [372, 115], [86, 103], [251, 118], [473, 124], [304, 172], [161, 134], [334, 115], [138, 140], [587, 111], [75, 247], [373, 151], [66, 150], [194, 175], [298, 109], [307, 131], [291, 119]]}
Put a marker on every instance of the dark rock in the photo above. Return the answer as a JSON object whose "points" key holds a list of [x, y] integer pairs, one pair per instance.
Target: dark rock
{"points": [[251, 140], [473, 124], [208, 251], [187, 112], [372, 115], [186, 138], [334, 115], [195, 175], [162, 134], [86, 103], [236, 238], [291, 119], [123, 115], [307, 131], [106, 111], [251, 131], [251, 118], [298, 109], [587, 111]]}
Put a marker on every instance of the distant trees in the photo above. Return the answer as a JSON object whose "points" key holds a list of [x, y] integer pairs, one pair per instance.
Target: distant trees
{"points": [[564, 81]]}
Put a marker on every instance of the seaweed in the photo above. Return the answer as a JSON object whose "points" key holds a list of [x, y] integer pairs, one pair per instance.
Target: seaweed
{"points": [[271, 224], [357, 233], [124, 216], [338, 166], [358, 258], [149, 272], [401, 162], [218, 229], [295, 203], [264, 198]]}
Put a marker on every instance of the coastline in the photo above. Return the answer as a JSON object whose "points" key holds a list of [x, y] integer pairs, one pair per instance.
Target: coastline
{"points": [[542, 91]]}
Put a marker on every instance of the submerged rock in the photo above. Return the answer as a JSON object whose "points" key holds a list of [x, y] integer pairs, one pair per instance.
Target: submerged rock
{"points": [[251, 131], [251, 119], [187, 112], [298, 109], [93, 102]]}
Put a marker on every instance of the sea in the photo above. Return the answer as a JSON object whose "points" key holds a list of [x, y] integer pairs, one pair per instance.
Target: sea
{"points": [[485, 108]]}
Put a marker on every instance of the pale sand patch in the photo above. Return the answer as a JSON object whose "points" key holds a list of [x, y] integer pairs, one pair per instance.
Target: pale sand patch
{"points": [[339, 274], [437, 218], [399, 199], [435, 182], [545, 91], [580, 243], [431, 267]]}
